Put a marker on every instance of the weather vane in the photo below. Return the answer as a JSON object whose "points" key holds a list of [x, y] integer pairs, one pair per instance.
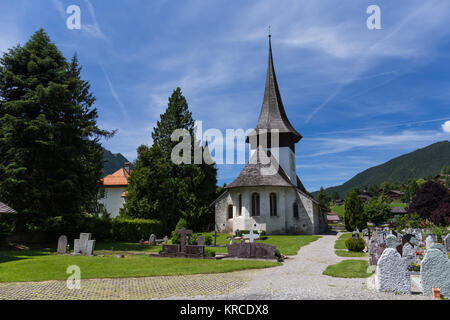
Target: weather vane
{"points": [[269, 31]]}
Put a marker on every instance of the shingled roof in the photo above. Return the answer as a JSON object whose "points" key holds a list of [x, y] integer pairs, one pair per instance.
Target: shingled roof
{"points": [[257, 172], [273, 115], [5, 209]]}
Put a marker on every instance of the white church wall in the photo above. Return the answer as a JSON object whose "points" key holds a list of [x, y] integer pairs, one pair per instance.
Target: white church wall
{"points": [[283, 223]]}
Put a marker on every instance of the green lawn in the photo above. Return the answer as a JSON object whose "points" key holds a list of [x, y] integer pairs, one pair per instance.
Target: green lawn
{"points": [[352, 254], [339, 210], [342, 249], [44, 265], [398, 204], [340, 244], [348, 269], [287, 244]]}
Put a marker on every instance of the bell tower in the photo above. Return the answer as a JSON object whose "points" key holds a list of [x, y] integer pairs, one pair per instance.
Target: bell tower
{"points": [[274, 122]]}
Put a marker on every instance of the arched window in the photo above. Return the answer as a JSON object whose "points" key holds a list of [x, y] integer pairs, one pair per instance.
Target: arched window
{"points": [[240, 205], [295, 209], [230, 211], [255, 204], [273, 205]]}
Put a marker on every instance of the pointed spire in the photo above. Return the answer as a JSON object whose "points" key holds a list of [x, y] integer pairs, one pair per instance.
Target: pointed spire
{"points": [[273, 115]]}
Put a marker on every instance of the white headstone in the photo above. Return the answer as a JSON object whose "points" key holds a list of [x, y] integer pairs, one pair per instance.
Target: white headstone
{"points": [[392, 273], [435, 272], [429, 241], [152, 240], [251, 236]]}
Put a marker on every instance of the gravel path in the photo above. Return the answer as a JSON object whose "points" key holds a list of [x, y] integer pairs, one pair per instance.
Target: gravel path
{"points": [[301, 277]]}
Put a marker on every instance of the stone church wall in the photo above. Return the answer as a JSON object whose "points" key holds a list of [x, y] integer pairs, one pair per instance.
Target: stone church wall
{"points": [[284, 223]]}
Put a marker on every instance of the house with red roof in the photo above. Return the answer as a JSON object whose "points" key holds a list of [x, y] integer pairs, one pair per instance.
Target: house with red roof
{"points": [[115, 186]]}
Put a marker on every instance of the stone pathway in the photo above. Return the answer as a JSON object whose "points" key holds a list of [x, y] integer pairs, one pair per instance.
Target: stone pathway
{"points": [[128, 288], [300, 277]]}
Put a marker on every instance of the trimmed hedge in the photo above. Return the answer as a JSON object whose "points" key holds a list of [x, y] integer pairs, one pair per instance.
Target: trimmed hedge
{"points": [[133, 229]]}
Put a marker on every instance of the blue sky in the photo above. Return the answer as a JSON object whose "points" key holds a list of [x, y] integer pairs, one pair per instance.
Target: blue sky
{"points": [[359, 97]]}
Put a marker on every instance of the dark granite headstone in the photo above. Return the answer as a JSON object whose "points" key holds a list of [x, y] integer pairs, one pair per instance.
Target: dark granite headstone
{"points": [[251, 250]]}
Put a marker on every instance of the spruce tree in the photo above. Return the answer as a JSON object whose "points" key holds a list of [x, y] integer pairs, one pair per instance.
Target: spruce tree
{"points": [[180, 191], [355, 216], [51, 158]]}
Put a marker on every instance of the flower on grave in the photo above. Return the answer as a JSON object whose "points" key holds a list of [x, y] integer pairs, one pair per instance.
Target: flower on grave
{"points": [[414, 267]]}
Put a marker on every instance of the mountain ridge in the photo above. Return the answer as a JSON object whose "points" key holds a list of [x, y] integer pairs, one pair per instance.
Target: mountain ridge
{"points": [[421, 163]]}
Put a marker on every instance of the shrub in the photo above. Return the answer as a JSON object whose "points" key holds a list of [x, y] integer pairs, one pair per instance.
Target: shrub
{"points": [[355, 245], [132, 229], [210, 253], [208, 240], [193, 238]]}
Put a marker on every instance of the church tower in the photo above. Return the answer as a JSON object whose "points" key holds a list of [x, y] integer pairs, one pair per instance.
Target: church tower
{"points": [[261, 198], [273, 121]]}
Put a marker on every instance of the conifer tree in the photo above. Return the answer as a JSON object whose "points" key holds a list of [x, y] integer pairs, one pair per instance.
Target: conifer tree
{"points": [[355, 216], [50, 155], [180, 191]]}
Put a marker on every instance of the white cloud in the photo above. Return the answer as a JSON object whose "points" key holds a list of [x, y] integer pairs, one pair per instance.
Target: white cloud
{"points": [[403, 139], [446, 126]]}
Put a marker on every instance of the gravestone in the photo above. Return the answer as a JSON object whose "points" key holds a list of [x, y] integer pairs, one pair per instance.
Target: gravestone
{"points": [[165, 239], [392, 273], [429, 241], [391, 241], [447, 242], [251, 250], [183, 232], [439, 247], [84, 245], [435, 272], [409, 253], [251, 236], [152, 240], [418, 234], [62, 244], [200, 240]]}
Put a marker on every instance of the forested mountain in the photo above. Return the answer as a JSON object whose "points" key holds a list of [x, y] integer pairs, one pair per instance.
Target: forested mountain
{"points": [[112, 162], [422, 163]]}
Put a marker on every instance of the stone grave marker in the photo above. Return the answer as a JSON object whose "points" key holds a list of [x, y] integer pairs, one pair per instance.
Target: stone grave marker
{"points": [[183, 232], [439, 247], [251, 236], [165, 239], [435, 272], [200, 240], [447, 242], [62, 245], [84, 245], [429, 241], [392, 273], [152, 240], [409, 253], [391, 241]]}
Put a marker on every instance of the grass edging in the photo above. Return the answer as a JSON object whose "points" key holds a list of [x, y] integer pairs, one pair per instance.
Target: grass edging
{"points": [[348, 269]]}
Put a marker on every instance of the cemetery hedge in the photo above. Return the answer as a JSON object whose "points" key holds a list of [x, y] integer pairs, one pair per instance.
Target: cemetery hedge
{"points": [[133, 229]]}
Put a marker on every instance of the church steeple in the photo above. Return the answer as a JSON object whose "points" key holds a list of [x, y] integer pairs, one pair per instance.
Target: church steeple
{"points": [[273, 115]]}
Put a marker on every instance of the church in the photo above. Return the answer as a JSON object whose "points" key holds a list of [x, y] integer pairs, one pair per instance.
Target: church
{"points": [[276, 202]]}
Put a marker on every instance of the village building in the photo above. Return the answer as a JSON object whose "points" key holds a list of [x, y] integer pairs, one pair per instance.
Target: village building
{"points": [[268, 195], [115, 190]]}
